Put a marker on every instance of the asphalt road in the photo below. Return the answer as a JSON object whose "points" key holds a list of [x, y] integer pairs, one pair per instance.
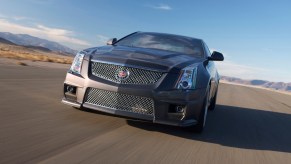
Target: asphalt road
{"points": [[248, 126]]}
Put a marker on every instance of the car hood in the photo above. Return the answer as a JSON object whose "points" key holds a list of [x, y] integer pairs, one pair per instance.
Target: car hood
{"points": [[163, 61]]}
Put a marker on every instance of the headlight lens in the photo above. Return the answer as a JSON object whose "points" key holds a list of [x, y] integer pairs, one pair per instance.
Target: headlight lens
{"points": [[77, 63], [188, 78]]}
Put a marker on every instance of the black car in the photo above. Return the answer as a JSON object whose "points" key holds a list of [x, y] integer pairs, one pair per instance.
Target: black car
{"points": [[163, 78]]}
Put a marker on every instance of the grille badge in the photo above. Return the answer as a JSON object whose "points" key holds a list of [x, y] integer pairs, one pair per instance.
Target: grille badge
{"points": [[121, 74]]}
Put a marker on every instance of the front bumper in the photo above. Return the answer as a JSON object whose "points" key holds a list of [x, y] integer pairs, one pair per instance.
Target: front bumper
{"points": [[165, 101]]}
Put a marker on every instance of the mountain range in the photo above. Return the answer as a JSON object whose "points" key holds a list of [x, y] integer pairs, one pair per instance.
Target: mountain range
{"points": [[261, 83], [28, 40], [43, 49]]}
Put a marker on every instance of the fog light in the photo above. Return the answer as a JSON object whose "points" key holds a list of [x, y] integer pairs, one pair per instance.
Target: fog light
{"points": [[70, 89], [179, 109]]}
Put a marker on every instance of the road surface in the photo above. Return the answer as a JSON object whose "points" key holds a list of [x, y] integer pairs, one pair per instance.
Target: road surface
{"points": [[248, 126]]}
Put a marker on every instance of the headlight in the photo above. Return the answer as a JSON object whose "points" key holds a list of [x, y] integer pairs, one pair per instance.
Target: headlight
{"points": [[77, 63], [188, 76]]}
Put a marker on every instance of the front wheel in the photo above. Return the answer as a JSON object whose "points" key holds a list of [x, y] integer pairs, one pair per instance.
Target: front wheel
{"points": [[213, 101]]}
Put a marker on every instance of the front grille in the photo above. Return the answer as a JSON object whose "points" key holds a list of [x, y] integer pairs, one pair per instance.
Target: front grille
{"points": [[136, 75], [118, 101]]}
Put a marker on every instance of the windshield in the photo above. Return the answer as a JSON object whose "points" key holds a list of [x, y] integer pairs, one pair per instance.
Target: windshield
{"points": [[179, 44]]}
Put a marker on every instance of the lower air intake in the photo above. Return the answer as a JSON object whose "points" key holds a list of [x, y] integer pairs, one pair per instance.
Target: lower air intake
{"points": [[119, 101]]}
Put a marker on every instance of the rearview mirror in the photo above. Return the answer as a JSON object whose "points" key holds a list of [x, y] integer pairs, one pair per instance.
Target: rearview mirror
{"points": [[111, 41], [216, 56]]}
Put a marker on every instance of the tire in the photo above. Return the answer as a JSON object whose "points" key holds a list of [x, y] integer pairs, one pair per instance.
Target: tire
{"points": [[198, 128], [213, 101]]}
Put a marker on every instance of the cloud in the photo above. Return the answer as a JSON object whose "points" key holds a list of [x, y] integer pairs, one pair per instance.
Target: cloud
{"points": [[18, 18], [233, 69], [101, 39], [161, 7], [54, 34], [244, 71], [229, 68], [3, 16]]}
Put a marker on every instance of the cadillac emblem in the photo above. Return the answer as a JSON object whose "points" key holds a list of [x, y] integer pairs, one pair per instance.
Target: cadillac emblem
{"points": [[121, 74]]}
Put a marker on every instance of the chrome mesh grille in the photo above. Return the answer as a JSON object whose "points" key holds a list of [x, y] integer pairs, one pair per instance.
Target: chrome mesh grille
{"points": [[136, 75], [118, 101]]}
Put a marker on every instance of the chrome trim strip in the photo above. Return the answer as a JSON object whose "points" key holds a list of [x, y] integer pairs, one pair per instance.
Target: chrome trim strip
{"points": [[118, 112], [129, 65], [114, 109], [71, 103], [185, 123]]}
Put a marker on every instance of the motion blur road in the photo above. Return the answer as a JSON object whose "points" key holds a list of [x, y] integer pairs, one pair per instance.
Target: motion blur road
{"points": [[248, 126]]}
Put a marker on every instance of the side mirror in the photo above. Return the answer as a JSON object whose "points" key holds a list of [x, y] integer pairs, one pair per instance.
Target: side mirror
{"points": [[111, 41], [216, 56]]}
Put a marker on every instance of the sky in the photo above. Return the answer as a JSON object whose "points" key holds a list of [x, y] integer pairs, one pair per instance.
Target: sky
{"points": [[253, 35]]}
